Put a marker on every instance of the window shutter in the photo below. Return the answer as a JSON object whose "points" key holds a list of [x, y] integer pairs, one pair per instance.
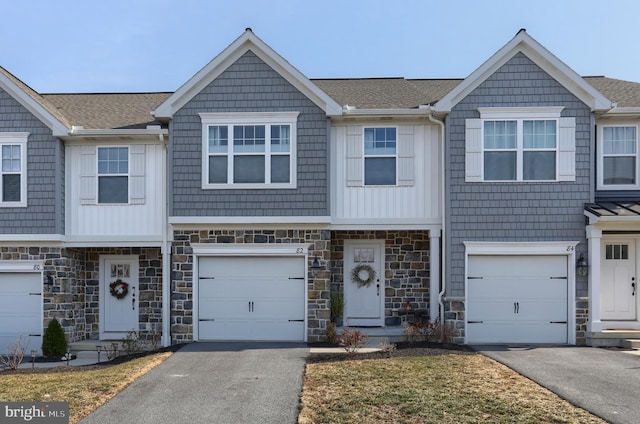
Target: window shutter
{"points": [[406, 155], [355, 146], [473, 150], [567, 149], [136, 174], [88, 176]]}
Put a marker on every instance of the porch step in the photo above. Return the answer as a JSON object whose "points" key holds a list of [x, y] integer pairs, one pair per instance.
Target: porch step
{"points": [[378, 335], [92, 346], [631, 343], [612, 338]]}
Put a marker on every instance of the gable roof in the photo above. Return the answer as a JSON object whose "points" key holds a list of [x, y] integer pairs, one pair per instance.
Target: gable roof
{"points": [[247, 41], [33, 102], [542, 57]]}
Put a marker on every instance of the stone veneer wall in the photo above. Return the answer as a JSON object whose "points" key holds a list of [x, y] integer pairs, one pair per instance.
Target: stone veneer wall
{"points": [[582, 318], [406, 267], [317, 241], [149, 290], [64, 300], [74, 297]]}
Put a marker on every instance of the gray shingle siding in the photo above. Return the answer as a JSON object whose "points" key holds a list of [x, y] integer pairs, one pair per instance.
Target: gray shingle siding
{"points": [[43, 214], [249, 85], [515, 212]]}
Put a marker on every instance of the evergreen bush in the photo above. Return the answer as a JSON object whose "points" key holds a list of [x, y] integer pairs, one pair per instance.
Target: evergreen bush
{"points": [[54, 342]]}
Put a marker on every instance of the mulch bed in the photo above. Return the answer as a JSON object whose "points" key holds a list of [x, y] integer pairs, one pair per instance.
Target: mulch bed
{"points": [[402, 349]]}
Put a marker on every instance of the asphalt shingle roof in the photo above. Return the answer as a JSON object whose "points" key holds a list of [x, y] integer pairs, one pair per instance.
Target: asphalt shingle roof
{"points": [[133, 110]]}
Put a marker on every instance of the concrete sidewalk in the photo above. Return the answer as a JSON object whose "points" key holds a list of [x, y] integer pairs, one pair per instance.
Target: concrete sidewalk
{"points": [[605, 382], [212, 383]]}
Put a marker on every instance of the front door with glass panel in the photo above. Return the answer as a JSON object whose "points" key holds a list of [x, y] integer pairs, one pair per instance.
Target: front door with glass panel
{"points": [[618, 284], [364, 283], [119, 296]]}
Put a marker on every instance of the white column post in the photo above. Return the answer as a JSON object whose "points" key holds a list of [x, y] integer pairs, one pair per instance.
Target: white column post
{"points": [[434, 274], [594, 238]]}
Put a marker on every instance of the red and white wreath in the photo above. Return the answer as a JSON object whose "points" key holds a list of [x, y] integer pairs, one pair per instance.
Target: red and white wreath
{"points": [[119, 289]]}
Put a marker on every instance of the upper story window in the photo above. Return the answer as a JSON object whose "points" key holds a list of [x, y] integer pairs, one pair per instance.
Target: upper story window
{"points": [[520, 144], [380, 156], [618, 158], [520, 150], [113, 175], [13, 152], [254, 150]]}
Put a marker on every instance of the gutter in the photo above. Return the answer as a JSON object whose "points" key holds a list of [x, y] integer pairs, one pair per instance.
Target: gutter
{"points": [[443, 250], [151, 130]]}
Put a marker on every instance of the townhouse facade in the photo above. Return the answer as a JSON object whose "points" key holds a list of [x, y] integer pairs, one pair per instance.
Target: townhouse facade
{"points": [[503, 204]]}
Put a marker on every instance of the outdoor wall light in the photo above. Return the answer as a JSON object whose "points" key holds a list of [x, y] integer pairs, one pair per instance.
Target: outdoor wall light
{"points": [[315, 266], [582, 266]]}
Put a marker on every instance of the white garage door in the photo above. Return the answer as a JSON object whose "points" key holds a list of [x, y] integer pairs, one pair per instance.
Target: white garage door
{"points": [[20, 309], [517, 299], [251, 298]]}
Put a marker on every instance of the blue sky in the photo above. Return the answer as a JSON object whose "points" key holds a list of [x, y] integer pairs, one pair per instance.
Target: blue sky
{"points": [[143, 45]]}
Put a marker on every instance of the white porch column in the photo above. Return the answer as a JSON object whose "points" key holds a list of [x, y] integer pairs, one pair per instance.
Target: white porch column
{"points": [[594, 237], [434, 274]]}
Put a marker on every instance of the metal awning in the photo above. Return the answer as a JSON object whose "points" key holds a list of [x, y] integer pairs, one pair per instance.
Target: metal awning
{"points": [[613, 211]]}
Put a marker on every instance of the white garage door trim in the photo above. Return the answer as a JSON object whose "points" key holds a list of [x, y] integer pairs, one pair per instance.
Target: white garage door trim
{"points": [[566, 249], [248, 250], [35, 268]]}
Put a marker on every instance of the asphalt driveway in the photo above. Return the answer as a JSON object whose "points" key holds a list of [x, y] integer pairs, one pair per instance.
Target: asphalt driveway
{"points": [[214, 383], [603, 381]]}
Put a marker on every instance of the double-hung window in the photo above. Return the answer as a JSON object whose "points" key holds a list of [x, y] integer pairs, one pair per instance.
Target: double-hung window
{"points": [[113, 174], [254, 150], [618, 158], [13, 152], [520, 150], [520, 144], [380, 146]]}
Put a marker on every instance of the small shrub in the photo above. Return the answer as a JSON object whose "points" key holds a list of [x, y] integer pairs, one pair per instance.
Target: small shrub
{"points": [[428, 331], [131, 343], [112, 351], [54, 342], [331, 334], [353, 340], [336, 308], [387, 347], [16, 351]]}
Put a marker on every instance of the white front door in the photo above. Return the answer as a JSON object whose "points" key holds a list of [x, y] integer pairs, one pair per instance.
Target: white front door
{"points": [[618, 284], [119, 306], [364, 295]]}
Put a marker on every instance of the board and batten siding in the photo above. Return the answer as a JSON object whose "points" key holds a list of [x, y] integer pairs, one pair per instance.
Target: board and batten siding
{"points": [[249, 85], [417, 195], [515, 211], [143, 216]]}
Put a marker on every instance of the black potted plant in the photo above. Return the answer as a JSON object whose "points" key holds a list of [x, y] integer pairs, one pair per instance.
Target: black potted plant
{"points": [[337, 307]]}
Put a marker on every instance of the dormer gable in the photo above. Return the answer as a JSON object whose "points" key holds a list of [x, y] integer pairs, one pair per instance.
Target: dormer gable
{"points": [[248, 41], [547, 61]]}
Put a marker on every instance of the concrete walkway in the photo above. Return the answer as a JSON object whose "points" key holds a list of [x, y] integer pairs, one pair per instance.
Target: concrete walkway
{"points": [[214, 383], [605, 382]]}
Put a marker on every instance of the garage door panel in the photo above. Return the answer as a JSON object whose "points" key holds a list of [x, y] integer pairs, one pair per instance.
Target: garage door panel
{"points": [[251, 298], [517, 299], [20, 309], [525, 332]]}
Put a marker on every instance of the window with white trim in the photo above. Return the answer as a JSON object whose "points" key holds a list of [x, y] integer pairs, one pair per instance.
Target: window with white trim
{"points": [[380, 156], [524, 144], [113, 174], [253, 150], [618, 158], [13, 152]]}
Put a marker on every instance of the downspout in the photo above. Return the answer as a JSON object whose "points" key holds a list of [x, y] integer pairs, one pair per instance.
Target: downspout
{"points": [[443, 241], [166, 252]]}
